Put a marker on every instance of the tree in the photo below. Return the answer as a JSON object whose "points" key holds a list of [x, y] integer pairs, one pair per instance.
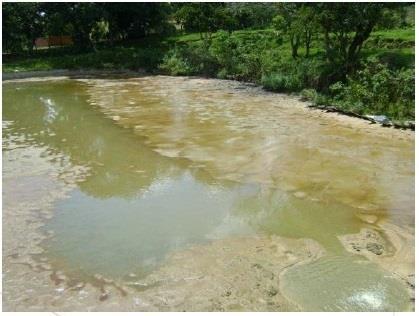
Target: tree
{"points": [[86, 22], [204, 18], [91, 22], [287, 23], [79, 17], [396, 16], [22, 24], [136, 20], [308, 24], [251, 15], [298, 22], [12, 35], [345, 28]]}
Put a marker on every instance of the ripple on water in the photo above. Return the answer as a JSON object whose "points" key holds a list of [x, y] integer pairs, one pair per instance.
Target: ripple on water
{"points": [[344, 283]]}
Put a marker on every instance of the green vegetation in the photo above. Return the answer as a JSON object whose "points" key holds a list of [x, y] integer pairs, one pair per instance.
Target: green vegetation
{"points": [[356, 57], [132, 58], [378, 89]]}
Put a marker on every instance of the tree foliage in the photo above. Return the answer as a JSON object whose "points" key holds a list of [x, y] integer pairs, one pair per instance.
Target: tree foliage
{"points": [[86, 22], [136, 20], [208, 17], [342, 27], [345, 28], [251, 15], [22, 24], [205, 18], [297, 22]]}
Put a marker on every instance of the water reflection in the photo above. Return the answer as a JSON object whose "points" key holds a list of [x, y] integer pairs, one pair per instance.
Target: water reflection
{"points": [[248, 136], [276, 212], [116, 236], [134, 206], [59, 116], [214, 135]]}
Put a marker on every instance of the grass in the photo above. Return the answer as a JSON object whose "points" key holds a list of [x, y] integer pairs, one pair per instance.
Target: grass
{"points": [[395, 57], [396, 34], [145, 52], [107, 58], [184, 38]]}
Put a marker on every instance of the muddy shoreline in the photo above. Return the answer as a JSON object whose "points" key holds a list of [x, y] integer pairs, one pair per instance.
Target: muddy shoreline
{"points": [[10, 76], [66, 73], [214, 281]]}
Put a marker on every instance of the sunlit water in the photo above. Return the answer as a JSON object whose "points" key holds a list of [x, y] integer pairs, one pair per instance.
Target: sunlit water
{"points": [[344, 284], [175, 162]]}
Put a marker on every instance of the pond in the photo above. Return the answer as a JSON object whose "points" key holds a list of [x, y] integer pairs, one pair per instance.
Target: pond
{"points": [[173, 163]]}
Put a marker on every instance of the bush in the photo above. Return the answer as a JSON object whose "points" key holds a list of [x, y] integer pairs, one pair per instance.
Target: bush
{"points": [[190, 60], [315, 97], [281, 82], [377, 89], [174, 64], [238, 55], [293, 76], [272, 61], [227, 56], [201, 60], [224, 50]]}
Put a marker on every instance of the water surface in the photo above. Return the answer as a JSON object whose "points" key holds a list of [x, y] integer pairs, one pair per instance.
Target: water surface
{"points": [[175, 162]]}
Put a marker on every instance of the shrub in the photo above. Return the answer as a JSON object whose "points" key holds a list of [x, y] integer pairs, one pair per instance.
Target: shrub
{"points": [[201, 60], [174, 64], [281, 82], [377, 89], [293, 76]]}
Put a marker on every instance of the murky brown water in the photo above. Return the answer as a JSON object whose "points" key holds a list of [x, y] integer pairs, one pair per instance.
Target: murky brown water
{"points": [[172, 163]]}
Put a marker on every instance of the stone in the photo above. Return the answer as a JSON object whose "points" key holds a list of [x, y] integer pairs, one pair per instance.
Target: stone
{"points": [[382, 119], [375, 248], [272, 291], [104, 296], [356, 247]]}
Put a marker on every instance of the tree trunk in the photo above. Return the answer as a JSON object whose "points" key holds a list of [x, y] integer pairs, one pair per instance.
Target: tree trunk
{"points": [[31, 43], [327, 46], [295, 43], [308, 42], [355, 47]]}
